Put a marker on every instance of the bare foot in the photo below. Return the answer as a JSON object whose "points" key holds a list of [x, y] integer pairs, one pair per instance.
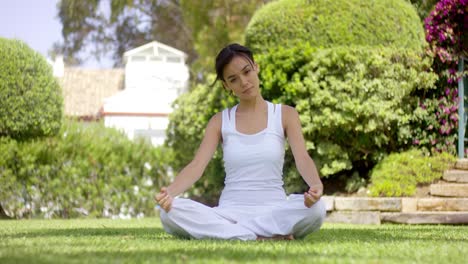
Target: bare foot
{"points": [[277, 237]]}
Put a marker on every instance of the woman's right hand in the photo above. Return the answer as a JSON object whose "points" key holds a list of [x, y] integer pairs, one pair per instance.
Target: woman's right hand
{"points": [[164, 199]]}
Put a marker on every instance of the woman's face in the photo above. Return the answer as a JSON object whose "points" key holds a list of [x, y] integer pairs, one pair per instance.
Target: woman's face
{"points": [[241, 77]]}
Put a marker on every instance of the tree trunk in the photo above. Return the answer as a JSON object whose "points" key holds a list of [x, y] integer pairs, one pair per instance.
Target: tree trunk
{"points": [[3, 215]]}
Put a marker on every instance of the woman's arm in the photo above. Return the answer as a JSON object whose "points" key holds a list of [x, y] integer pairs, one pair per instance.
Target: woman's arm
{"points": [[304, 163], [194, 170]]}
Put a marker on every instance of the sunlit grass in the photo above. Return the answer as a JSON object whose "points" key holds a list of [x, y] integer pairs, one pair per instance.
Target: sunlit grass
{"points": [[144, 241]]}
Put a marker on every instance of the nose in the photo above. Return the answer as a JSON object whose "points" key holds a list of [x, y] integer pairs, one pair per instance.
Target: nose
{"points": [[243, 80]]}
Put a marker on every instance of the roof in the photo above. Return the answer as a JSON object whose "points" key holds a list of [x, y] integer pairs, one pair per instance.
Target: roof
{"points": [[84, 90], [154, 47]]}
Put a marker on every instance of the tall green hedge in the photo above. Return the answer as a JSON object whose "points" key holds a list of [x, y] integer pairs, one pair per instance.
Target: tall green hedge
{"points": [[86, 170], [31, 103], [331, 23]]}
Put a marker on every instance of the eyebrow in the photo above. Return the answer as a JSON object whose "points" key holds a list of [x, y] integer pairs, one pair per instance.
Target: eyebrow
{"points": [[234, 75]]}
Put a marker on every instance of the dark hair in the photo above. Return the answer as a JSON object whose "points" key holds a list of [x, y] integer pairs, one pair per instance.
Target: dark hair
{"points": [[226, 55]]}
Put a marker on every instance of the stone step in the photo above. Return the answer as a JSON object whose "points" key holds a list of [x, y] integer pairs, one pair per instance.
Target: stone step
{"points": [[456, 176], [350, 217], [409, 204], [449, 189], [367, 204], [329, 202], [426, 218], [442, 204], [462, 164]]}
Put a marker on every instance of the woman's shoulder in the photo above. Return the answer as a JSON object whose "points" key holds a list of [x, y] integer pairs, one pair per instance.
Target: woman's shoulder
{"points": [[217, 118], [215, 122], [288, 110], [289, 114]]}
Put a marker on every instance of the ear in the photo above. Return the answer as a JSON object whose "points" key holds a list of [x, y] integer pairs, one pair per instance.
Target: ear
{"points": [[257, 67]]}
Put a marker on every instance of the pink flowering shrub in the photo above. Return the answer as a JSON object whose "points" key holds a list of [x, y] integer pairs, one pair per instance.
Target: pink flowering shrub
{"points": [[446, 29]]}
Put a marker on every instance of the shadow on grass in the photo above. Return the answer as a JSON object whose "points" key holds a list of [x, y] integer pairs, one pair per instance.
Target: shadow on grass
{"points": [[90, 232], [325, 235]]}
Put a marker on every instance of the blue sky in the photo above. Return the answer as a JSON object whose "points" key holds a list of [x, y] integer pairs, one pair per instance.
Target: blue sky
{"points": [[36, 23]]}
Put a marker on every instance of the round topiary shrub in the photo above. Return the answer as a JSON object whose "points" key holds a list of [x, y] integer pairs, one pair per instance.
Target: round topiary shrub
{"points": [[326, 23], [31, 103]]}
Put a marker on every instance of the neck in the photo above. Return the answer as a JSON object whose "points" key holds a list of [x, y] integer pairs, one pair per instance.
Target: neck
{"points": [[254, 105]]}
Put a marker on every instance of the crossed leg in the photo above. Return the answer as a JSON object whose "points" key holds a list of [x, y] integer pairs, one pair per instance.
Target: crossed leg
{"points": [[288, 220], [191, 219]]}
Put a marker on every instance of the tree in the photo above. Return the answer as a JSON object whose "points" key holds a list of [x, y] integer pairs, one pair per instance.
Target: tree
{"points": [[119, 27], [214, 24], [198, 28]]}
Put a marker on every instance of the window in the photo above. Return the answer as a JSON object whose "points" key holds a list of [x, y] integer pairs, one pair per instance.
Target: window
{"points": [[154, 58], [173, 59], [138, 58]]}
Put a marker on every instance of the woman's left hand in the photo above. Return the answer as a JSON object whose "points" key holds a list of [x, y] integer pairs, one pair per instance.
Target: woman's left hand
{"points": [[312, 196]]}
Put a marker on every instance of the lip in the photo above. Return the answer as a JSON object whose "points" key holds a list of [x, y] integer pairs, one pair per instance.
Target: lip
{"points": [[247, 90]]}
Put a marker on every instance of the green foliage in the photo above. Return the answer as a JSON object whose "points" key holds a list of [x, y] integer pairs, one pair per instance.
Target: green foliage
{"points": [[326, 23], [423, 7], [399, 173], [85, 170], [30, 98], [210, 32], [186, 130], [355, 103]]}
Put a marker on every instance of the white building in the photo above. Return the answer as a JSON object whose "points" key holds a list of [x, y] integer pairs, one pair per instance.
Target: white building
{"points": [[155, 75]]}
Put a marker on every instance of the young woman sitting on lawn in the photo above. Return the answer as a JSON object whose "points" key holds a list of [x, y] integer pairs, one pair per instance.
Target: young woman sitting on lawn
{"points": [[253, 204]]}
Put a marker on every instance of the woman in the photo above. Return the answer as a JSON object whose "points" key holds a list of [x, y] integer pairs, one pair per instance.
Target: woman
{"points": [[253, 204]]}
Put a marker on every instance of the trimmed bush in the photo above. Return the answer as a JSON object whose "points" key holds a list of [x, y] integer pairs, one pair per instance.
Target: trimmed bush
{"points": [[355, 104], [400, 173], [326, 24], [87, 170], [31, 103]]}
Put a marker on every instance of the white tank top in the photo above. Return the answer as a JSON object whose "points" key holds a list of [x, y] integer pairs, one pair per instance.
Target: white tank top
{"points": [[253, 163]]}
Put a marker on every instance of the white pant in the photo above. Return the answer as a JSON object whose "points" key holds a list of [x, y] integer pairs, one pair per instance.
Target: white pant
{"points": [[191, 219]]}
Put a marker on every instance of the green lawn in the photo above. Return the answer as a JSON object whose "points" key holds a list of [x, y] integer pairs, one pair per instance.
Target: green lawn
{"points": [[144, 241]]}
